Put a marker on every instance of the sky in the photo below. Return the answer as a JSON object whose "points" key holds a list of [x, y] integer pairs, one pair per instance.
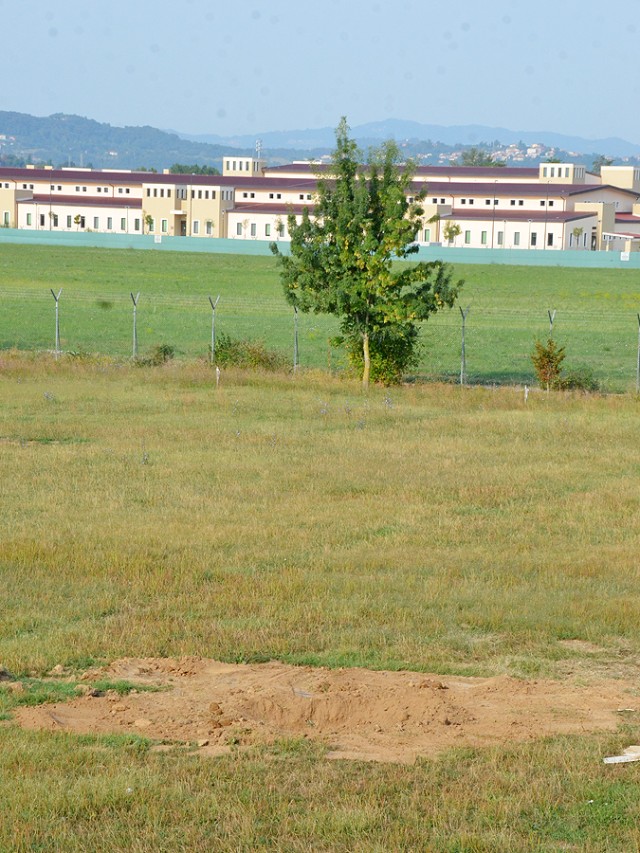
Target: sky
{"points": [[212, 67]]}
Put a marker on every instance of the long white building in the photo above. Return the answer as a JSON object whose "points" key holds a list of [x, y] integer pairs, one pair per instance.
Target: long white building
{"points": [[556, 206]]}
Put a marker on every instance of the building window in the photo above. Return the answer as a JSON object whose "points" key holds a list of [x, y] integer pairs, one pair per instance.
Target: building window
{"points": [[109, 223], [427, 235], [152, 225], [434, 201], [278, 195], [209, 227], [516, 238], [96, 222], [487, 201], [550, 202], [544, 171], [534, 239], [520, 203], [270, 195], [467, 237], [120, 190], [42, 220], [196, 226], [463, 201], [512, 202], [471, 201], [253, 229], [155, 192], [267, 231], [68, 222], [99, 189], [29, 219], [500, 238], [148, 192], [5, 219], [550, 238], [239, 229], [136, 224], [123, 224], [199, 193], [246, 195], [162, 192], [542, 203], [84, 189], [252, 195], [127, 191], [213, 193], [164, 224], [281, 229], [483, 238]]}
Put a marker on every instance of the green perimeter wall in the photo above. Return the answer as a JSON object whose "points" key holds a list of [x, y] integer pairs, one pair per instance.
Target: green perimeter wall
{"points": [[517, 257]]}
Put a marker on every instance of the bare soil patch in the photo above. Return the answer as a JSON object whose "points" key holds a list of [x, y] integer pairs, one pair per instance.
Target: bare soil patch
{"points": [[360, 714]]}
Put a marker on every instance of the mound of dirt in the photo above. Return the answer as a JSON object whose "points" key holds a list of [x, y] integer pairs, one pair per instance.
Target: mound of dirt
{"points": [[360, 714]]}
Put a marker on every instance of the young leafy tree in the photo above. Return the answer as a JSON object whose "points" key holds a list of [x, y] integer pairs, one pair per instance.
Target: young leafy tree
{"points": [[342, 255]]}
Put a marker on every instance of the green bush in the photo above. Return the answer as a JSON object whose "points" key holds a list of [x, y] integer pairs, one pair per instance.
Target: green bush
{"points": [[250, 355], [159, 354], [547, 360], [393, 351], [577, 379]]}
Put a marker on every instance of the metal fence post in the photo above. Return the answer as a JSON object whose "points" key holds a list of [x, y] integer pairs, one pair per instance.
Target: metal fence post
{"points": [[135, 299]]}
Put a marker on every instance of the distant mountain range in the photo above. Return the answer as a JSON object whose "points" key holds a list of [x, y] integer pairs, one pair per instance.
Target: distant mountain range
{"points": [[411, 131], [62, 140]]}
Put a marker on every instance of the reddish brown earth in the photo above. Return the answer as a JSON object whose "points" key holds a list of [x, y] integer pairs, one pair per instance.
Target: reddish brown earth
{"points": [[359, 714]]}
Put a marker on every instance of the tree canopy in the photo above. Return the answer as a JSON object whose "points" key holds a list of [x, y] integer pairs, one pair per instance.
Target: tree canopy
{"points": [[342, 257], [186, 169], [478, 157]]}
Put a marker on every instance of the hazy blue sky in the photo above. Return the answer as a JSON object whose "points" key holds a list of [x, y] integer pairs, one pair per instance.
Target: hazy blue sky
{"points": [[206, 66]]}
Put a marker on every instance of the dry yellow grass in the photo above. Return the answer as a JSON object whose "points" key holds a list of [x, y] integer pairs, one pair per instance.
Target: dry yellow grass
{"points": [[147, 513]]}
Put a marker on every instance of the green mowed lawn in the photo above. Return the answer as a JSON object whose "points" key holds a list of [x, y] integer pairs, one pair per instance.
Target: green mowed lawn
{"points": [[596, 311]]}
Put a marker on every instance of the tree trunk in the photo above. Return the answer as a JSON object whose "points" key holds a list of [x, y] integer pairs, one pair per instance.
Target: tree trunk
{"points": [[367, 360]]}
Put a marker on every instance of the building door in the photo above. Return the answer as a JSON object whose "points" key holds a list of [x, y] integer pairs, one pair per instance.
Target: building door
{"points": [[183, 228]]}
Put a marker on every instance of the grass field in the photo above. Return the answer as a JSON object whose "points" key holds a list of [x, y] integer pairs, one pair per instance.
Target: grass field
{"points": [[596, 311], [429, 527]]}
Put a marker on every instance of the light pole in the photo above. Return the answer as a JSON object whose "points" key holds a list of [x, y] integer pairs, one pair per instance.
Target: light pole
{"points": [[546, 216], [493, 220]]}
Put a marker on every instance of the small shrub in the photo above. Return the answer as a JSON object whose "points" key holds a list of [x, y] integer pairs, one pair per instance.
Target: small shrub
{"points": [[251, 355], [547, 360], [160, 354], [393, 351], [577, 379]]}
